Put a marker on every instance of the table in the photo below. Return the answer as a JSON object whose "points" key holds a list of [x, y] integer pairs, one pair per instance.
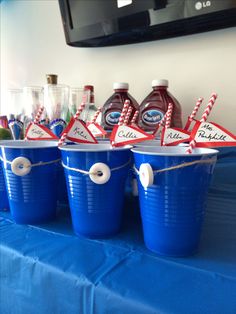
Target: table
{"points": [[47, 269]]}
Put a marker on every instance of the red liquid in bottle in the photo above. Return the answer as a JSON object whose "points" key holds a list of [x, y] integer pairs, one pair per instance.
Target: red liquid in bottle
{"points": [[112, 108], [155, 105]]}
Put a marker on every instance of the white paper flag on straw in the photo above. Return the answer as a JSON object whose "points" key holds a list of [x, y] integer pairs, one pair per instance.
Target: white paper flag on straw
{"points": [[78, 132], [39, 132], [174, 136], [124, 134], [96, 129], [209, 134]]}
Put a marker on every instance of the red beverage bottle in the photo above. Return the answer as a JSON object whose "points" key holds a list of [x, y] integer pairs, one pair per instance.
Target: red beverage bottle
{"points": [[155, 105], [112, 108]]}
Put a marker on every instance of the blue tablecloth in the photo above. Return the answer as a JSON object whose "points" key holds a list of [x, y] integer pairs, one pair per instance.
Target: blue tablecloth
{"points": [[47, 269]]}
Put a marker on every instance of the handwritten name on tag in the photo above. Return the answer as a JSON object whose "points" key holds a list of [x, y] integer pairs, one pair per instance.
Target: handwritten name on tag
{"points": [[124, 134], [96, 129], [78, 132], [174, 136], [39, 132], [209, 134]]}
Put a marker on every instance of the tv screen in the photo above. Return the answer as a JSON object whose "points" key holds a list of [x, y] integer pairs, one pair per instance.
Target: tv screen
{"points": [[97, 23]]}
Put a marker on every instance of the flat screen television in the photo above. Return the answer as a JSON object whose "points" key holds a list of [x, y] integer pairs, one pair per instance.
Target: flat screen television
{"points": [[99, 23]]}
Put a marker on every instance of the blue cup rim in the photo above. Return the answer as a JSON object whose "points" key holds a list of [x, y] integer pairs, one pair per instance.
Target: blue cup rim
{"points": [[148, 143], [172, 151], [103, 147], [21, 144]]}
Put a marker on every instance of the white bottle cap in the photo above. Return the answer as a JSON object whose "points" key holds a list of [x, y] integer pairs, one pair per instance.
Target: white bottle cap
{"points": [[160, 83], [120, 86]]}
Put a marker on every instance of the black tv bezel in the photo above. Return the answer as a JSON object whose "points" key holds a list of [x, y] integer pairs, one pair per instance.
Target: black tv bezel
{"points": [[196, 24]]}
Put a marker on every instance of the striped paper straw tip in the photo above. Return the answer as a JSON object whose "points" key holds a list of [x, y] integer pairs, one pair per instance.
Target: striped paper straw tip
{"points": [[96, 115], [39, 114], [62, 139], [123, 112], [168, 115], [135, 116], [195, 109], [128, 114], [209, 107], [192, 145], [79, 110]]}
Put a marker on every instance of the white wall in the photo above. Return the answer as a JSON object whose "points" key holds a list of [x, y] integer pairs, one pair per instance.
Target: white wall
{"points": [[33, 43]]}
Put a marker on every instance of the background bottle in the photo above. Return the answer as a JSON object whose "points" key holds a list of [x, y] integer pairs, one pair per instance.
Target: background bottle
{"points": [[90, 108], [56, 102], [112, 108], [155, 105]]}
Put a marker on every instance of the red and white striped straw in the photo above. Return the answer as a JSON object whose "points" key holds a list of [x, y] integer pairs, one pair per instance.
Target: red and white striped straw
{"points": [[62, 139], [195, 109], [79, 110], [168, 115], [135, 116], [96, 115], [124, 111], [128, 114], [204, 117], [39, 114], [193, 114], [161, 123], [209, 107]]}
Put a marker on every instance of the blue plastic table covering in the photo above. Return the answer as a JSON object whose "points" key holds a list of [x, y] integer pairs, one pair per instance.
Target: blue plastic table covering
{"points": [[47, 269]]}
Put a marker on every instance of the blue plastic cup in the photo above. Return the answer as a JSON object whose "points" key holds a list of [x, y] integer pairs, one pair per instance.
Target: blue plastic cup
{"points": [[4, 204], [148, 143], [30, 169], [62, 196], [224, 177], [95, 177], [173, 202]]}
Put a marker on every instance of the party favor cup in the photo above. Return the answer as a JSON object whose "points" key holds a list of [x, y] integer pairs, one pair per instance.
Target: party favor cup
{"points": [[95, 176], [4, 204], [148, 143], [224, 177], [30, 170], [62, 197], [172, 201]]}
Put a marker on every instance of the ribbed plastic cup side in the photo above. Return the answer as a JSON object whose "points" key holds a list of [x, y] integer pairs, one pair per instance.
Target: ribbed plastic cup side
{"points": [[173, 208], [96, 209], [4, 204], [32, 197]]}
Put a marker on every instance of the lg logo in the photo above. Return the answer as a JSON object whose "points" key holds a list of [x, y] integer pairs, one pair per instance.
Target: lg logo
{"points": [[200, 5]]}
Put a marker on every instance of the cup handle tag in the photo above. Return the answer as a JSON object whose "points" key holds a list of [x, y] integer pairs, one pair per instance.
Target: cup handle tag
{"points": [[99, 173], [146, 176], [21, 166]]}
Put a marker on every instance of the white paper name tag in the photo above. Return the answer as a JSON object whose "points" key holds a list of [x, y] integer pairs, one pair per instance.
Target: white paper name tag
{"points": [[96, 129], [78, 132], [174, 136], [209, 134], [124, 134], [39, 132]]}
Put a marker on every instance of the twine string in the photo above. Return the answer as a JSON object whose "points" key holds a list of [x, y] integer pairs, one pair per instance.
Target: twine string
{"points": [[40, 163], [183, 165], [96, 172]]}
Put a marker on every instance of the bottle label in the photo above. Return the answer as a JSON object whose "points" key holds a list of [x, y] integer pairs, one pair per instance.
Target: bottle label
{"points": [[112, 118], [152, 116]]}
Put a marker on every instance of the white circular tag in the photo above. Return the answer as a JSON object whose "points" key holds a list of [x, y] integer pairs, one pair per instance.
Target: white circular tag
{"points": [[100, 173], [146, 175], [21, 166]]}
